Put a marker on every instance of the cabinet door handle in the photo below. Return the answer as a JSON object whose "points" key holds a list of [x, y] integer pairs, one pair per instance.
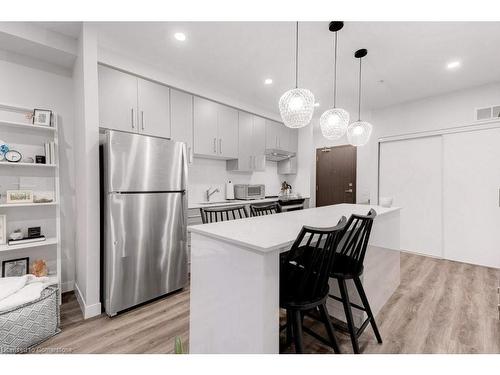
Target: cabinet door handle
{"points": [[276, 142], [220, 145], [189, 155], [250, 162], [142, 120], [132, 118], [215, 145]]}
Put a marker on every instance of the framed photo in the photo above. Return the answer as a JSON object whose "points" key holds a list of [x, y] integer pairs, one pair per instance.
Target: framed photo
{"points": [[3, 229], [19, 196], [42, 117], [15, 267]]}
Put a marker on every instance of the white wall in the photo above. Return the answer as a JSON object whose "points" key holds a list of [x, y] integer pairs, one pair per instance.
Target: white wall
{"points": [[87, 281], [433, 113], [205, 173], [26, 82]]}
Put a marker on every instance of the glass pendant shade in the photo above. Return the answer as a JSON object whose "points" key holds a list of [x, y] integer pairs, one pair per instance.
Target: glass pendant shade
{"points": [[359, 132], [333, 123], [296, 107]]}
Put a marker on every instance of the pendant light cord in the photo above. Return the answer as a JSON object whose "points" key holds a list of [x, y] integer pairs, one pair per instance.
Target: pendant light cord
{"points": [[359, 92], [297, 56], [335, 70]]}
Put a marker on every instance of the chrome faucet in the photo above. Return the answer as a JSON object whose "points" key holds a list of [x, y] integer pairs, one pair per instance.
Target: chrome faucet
{"points": [[209, 194]]}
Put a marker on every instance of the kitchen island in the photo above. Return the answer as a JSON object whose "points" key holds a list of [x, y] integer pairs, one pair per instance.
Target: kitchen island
{"points": [[234, 302]]}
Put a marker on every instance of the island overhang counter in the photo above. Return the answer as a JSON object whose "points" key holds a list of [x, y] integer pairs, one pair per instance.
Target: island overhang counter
{"points": [[234, 292]]}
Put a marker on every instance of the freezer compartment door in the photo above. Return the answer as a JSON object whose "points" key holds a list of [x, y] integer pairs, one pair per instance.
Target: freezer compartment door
{"points": [[137, 162], [145, 248]]}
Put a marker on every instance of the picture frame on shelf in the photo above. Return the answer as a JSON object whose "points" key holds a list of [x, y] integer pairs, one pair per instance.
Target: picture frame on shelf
{"points": [[3, 229], [15, 267], [19, 196], [42, 117]]}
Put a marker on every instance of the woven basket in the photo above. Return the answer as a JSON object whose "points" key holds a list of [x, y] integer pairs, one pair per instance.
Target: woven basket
{"points": [[25, 326]]}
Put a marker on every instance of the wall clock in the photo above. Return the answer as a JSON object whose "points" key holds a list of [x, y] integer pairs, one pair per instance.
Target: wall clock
{"points": [[13, 156]]}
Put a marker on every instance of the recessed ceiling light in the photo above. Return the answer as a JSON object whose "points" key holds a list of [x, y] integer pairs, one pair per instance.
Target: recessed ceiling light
{"points": [[268, 81], [181, 37], [453, 65], [316, 104]]}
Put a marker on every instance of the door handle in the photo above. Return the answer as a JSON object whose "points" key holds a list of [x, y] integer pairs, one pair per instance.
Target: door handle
{"points": [[142, 120], [215, 145], [348, 191], [220, 145], [132, 118]]}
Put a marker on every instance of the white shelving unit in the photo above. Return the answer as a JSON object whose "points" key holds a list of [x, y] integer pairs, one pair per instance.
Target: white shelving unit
{"points": [[13, 127]]}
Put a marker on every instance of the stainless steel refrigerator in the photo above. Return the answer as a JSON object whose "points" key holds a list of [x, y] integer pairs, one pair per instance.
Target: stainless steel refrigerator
{"points": [[144, 217]]}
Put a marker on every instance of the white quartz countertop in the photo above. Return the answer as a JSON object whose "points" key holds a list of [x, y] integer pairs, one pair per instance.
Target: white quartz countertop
{"points": [[272, 232], [233, 202]]}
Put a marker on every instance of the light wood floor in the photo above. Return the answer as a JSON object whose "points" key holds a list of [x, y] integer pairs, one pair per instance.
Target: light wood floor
{"points": [[440, 307]]}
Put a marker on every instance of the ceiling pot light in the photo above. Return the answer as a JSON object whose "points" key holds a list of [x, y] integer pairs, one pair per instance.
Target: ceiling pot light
{"points": [[268, 81], [296, 105], [359, 132], [453, 65], [181, 37], [333, 122]]}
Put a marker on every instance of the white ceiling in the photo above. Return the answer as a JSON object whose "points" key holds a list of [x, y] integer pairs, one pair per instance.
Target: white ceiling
{"points": [[406, 60]]}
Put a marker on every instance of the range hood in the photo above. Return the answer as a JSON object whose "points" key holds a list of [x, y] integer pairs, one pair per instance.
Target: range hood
{"points": [[278, 155]]}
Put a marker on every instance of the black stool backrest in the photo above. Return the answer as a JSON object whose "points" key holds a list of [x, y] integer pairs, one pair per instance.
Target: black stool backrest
{"points": [[306, 267], [264, 209], [215, 214], [355, 238]]}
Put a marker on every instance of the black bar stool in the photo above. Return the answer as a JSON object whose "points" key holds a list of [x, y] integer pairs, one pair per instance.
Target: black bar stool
{"points": [[264, 209], [349, 265], [304, 275], [215, 214]]}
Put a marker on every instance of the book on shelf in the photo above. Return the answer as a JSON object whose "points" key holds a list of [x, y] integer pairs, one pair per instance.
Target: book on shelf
{"points": [[50, 152], [27, 240]]}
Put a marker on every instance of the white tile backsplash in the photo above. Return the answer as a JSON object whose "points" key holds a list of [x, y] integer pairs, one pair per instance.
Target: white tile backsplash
{"points": [[205, 173]]}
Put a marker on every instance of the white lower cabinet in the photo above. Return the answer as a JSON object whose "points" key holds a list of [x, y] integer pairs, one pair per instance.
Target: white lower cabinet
{"points": [[448, 187]]}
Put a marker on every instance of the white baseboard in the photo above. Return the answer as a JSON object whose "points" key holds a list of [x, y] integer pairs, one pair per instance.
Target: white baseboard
{"points": [[89, 311], [67, 286]]}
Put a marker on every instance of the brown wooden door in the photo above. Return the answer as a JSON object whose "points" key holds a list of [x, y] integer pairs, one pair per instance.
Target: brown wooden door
{"points": [[335, 175]]}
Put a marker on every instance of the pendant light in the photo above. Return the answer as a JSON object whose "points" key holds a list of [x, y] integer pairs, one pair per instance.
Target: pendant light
{"points": [[296, 105], [333, 122], [359, 132]]}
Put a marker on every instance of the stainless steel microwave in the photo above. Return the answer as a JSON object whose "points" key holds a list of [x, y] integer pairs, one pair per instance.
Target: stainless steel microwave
{"points": [[249, 191]]}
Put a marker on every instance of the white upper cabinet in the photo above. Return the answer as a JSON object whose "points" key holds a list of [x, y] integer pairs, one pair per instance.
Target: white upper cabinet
{"points": [[272, 134], [278, 136], [205, 127], [133, 104], [117, 100], [154, 108], [259, 143], [215, 130], [251, 144], [228, 132], [181, 119]]}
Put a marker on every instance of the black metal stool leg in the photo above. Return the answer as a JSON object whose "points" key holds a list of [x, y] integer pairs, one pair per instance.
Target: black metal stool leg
{"points": [[329, 328], [348, 314], [366, 304], [297, 331], [289, 325]]}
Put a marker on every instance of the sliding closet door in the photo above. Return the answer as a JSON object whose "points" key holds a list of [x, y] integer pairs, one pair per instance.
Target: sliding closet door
{"points": [[471, 184], [411, 173]]}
